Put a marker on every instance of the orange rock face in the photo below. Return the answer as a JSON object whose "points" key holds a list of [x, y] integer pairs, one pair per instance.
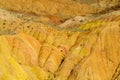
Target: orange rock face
{"points": [[31, 48]]}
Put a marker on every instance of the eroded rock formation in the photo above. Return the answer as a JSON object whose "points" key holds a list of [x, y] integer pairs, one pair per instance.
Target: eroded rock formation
{"points": [[32, 49]]}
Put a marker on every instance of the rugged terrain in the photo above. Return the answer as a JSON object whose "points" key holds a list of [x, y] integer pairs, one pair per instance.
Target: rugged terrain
{"points": [[43, 45]]}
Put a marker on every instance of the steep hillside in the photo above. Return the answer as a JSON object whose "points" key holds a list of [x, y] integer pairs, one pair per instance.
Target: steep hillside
{"points": [[33, 50], [59, 10]]}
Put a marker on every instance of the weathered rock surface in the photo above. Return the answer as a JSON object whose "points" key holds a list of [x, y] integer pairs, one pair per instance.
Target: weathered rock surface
{"points": [[59, 10], [32, 49]]}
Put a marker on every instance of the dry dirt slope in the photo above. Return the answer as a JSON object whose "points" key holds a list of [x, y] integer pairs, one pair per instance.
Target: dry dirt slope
{"points": [[32, 50], [58, 9]]}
